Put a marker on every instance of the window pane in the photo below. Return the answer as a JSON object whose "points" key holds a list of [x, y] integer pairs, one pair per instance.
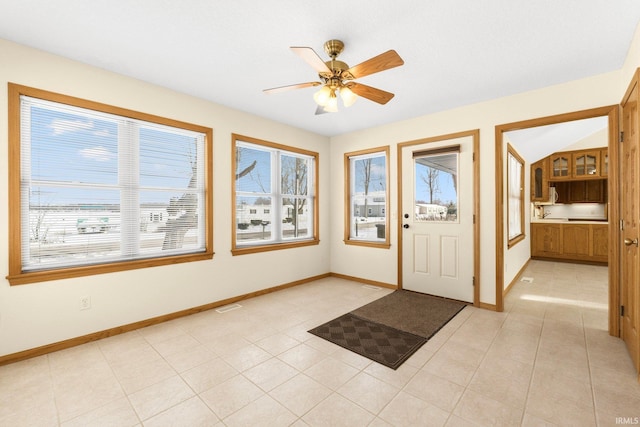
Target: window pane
{"points": [[168, 222], [86, 146], [369, 220], [293, 175], [253, 219], [65, 228], [368, 198], [167, 159], [436, 179], [253, 170], [296, 218]]}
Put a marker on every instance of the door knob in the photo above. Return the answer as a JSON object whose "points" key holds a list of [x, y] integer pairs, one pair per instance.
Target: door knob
{"points": [[406, 226], [630, 242], [406, 215]]}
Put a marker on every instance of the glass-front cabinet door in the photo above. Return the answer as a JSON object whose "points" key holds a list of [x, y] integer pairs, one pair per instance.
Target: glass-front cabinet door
{"points": [[560, 165], [539, 181], [586, 163]]}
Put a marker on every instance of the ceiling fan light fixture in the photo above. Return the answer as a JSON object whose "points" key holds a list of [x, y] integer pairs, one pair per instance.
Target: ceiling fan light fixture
{"points": [[332, 104], [348, 97], [322, 96]]}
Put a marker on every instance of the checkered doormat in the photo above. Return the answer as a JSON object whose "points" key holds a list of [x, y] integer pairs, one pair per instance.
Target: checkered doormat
{"points": [[380, 343]]}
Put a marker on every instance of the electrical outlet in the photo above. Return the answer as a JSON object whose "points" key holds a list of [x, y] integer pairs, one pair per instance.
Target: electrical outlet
{"points": [[85, 303]]}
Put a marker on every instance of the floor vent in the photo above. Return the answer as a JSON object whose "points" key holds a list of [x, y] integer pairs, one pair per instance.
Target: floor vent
{"points": [[527, 279], [228, 308], [375, 288]]}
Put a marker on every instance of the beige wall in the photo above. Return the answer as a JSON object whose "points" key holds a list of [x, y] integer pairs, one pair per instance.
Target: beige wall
{"points": [[37, 314], [595, 140], [381, 264]]}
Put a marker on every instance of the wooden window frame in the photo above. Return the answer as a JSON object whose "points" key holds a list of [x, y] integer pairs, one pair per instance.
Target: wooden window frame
{"points": [[16, 274], [279, 245], [520, 237], [386, 244]]}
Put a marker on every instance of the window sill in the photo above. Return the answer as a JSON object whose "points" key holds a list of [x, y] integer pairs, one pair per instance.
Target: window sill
{"points": [[244, 250], [90, 270], [369, 244], [511, 243]]}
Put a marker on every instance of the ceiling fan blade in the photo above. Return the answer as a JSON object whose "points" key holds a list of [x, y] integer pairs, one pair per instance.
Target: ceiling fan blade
{"points": [[384, 61], [312, 58], [291, 87], [320, 110], [371, 93]]}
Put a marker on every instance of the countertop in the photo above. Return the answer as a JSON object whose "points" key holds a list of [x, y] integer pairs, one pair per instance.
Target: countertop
{"points": [[567, 221]]}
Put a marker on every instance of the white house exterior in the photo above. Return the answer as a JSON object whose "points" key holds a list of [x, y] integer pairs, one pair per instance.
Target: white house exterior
{"points": [[428, 211]]}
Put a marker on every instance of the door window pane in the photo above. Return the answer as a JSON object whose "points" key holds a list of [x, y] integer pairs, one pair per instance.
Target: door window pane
{"points": [[436, 187]]}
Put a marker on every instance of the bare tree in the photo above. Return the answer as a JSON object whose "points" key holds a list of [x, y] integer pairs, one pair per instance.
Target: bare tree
{"points": [[39, 231], [294, 182], [246, 171], [185, 211], [366, 181], [430, 177]]}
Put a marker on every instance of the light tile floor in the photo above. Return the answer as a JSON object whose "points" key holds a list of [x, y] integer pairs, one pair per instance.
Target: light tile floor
{"points": [[546, 360]]}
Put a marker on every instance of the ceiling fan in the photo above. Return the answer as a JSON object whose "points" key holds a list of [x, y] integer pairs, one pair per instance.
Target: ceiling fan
{"points": [[337, 77]]}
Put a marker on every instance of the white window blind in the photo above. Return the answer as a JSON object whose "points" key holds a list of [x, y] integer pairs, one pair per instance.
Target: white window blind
{"points": [[101, 188], [515, 186]]}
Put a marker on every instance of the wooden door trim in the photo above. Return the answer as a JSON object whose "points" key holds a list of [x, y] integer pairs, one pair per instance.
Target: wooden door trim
{"points": [[612, 111], [475, 134]]}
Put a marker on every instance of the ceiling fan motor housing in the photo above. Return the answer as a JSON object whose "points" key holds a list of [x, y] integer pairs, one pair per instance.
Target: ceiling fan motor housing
{"points": [[333, 48], [336, 67]]}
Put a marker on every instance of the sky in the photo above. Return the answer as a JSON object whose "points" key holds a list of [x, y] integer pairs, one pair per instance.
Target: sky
{"points": [[377, 180], [258, 179], [76, 151], [446, 192]]}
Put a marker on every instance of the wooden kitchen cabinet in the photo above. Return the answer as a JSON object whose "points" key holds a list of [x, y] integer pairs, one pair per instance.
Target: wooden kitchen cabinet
{"points": [[575, 239], [587, 191], [570, 242], [585, 163], [562, 190], [600, 241], [578, 164], [560, 165], [540, 181], [546, 240], [604, 162]]}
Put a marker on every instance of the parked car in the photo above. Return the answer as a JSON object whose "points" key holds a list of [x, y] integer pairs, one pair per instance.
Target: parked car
{"points": [[93, 225]]}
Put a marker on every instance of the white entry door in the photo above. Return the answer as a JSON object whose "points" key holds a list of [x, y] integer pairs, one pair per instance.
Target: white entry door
{"points": [[437, 218]]}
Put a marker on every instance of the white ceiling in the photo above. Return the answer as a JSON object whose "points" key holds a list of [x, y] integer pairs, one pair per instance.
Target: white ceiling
{"points": [[537, 142], [456, 52]]}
